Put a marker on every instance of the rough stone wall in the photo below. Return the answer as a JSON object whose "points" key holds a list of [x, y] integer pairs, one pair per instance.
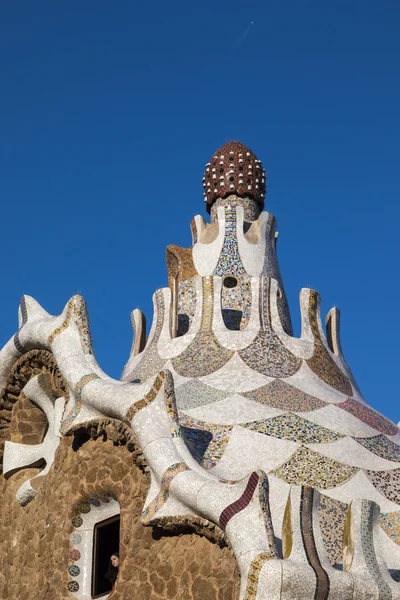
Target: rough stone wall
{"points": [[35, 540]]}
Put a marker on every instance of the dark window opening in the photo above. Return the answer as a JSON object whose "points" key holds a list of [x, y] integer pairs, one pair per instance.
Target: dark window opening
{"points": [[105, 543], [230, 282], [232, 318]]}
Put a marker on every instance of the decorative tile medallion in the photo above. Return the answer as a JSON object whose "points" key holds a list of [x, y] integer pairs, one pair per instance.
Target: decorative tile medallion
{"points": [[95, 502], [73, 586], [310, 468], [74, 555], [321, 362], [75, 538], [74, 570], [369, 416], [295, 429], [84, 507], [77, 521]]}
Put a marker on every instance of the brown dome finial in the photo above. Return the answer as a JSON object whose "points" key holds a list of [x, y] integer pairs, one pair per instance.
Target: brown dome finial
{"points": [[234, 169]]}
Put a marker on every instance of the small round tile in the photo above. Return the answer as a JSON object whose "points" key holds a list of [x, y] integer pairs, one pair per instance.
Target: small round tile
{"points": [[75, 538], [77, 521], [84, 507], [74, 570], [74, 555], [73, 586], [95, 502]]}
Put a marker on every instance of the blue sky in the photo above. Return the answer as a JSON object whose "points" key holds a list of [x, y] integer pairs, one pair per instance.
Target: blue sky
{"points": [[109, 112]]}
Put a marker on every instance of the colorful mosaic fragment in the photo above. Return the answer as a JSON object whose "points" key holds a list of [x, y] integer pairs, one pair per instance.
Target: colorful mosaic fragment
{"points": [[74, 412], [241, 503], [77, 521], [307, 467], [369, 416], [74, 555], [229, 262], [381, 446], [151, 362], [295, 429], [73, 586], [82, 322], [74, 570], [321, 362], [387, 483], [263, 495], [307, 533], [254, 574], [267, 355], [205, 354], [186, 304], [154, 506], [64, 325], [236, 304], [279, 394], [390, 523], [368, 548], [206, 441], [75, 538], [195, 393], [332, 516]]}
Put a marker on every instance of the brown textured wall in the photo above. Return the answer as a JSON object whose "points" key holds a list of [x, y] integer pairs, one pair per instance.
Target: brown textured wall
{"points": [[34, 541]]}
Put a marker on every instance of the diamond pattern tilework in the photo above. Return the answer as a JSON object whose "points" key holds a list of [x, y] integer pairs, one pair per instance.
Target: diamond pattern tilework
{"points": [[282, 395], [267, 355], [368, 416], [294, 429], [367, 543], [387, 483], [381, 446], [307, 467], [321, 362], [206, 441], [332, 515], [194, 394], [390, 523]]}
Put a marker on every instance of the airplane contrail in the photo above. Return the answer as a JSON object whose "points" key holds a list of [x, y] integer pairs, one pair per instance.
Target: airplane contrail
{"points": [[243, 36]]}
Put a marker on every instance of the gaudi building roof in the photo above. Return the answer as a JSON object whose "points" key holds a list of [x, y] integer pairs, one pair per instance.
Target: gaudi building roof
{"points": [[244, 428]]}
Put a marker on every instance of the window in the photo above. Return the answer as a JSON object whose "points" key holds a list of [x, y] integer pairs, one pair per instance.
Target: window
{"points": [[105, 543]]}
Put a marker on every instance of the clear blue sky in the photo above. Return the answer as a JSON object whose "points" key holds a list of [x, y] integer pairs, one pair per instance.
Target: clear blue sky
{"points": [[109, 111]]}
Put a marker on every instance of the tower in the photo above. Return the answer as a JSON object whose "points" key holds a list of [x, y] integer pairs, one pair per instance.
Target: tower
{"points": [[252, 437]]}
